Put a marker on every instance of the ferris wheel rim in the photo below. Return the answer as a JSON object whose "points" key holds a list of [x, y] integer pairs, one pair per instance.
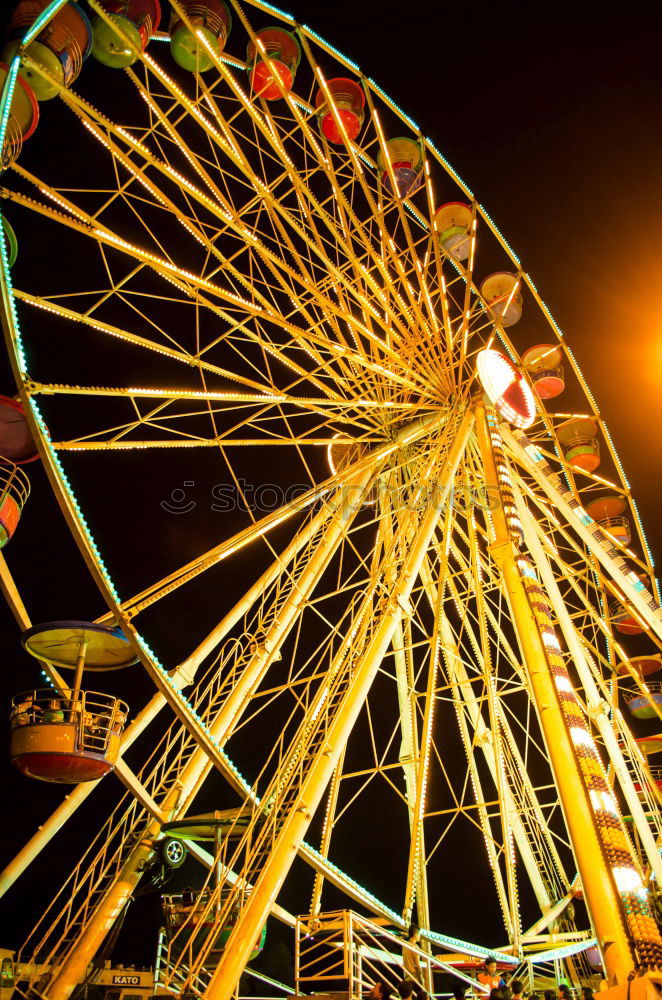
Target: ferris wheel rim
{"points": [[478, 207], [57, 470], [352, 67], [38, 424]]}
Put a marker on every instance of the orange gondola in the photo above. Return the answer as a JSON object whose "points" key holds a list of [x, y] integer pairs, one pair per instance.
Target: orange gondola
{"points": [[608, 511], [63, 738], [14, 491], [69, 736], [544, 365]]}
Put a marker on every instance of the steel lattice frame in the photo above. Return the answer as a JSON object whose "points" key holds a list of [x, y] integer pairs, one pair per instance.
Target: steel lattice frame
{"points": [[264, 293]]}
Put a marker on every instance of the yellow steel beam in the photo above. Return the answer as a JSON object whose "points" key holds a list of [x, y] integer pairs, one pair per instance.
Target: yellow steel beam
{"points": [[602, 898]]}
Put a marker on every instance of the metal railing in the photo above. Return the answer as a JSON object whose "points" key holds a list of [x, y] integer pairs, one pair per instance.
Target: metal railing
{"points": [[56, 36], [581, 441], [14, 482], [615, 526], [11, 147], [633, 694], [540, 371], [96, 716], [199, 14], [341, 951]]}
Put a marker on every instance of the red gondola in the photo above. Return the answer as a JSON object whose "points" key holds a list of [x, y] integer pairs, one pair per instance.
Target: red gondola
{"points": [[16, 441], [14, 491], [348, 101], [273, 76]]}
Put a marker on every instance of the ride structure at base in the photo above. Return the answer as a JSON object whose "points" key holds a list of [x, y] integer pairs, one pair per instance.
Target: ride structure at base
{"points": [[271, 293], [111, 982], [194, 927]]}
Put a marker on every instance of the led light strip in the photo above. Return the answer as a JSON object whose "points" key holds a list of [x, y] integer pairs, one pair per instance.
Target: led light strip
{"points": [[609, 823]]}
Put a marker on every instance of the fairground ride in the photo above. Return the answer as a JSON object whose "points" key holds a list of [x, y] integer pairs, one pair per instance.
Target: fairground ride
{"points": [[263, 267]]}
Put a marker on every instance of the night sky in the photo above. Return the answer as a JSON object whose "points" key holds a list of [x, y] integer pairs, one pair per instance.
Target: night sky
{"points": [[554, 123]]}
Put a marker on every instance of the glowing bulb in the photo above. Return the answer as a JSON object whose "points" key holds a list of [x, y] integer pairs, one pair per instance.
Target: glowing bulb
{"points": [[506, 389], [602, 802], [627, 880], [580, 737]]}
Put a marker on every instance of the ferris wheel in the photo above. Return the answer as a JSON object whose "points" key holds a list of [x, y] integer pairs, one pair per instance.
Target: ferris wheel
{"points": [[419, 583]]}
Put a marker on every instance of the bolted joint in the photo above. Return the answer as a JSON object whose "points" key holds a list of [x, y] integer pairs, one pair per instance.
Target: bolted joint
{"points": [[501, 550], [597, 708]]}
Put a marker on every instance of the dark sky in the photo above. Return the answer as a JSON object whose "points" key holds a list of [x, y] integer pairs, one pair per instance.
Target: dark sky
{"points": [[553, 119]]}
